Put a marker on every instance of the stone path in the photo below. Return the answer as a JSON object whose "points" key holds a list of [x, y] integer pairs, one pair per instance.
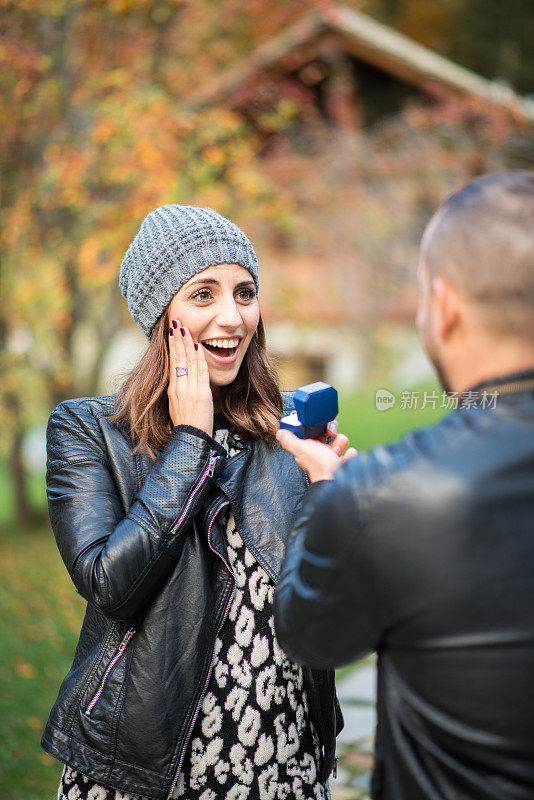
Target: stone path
{"points": [[357, 694]]}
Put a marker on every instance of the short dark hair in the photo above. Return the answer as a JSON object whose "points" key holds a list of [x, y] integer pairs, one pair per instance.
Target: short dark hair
{"points": [[482, 240]]}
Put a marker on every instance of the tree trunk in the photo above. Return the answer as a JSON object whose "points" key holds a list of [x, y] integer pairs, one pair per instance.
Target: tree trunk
{"points": [[21, 499]]}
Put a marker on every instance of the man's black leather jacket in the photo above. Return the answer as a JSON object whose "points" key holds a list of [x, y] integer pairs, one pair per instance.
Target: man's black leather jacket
{"points": [[424, 552], [143, 546]]}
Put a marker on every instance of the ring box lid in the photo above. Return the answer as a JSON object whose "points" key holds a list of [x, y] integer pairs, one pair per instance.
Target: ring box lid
{"points": [[316, 402]]}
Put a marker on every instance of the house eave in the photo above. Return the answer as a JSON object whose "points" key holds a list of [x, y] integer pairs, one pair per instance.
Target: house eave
{"points": [[374, 43]]}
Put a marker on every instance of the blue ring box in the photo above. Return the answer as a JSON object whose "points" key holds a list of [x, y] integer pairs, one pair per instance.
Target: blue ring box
{"points": [[316, 404]]}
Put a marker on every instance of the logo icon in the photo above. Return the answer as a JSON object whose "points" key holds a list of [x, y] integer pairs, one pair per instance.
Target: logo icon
{"points": [[384, 400]]}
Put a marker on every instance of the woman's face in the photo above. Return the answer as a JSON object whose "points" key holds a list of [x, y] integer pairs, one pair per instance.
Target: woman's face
{"points": [[220, 308]]}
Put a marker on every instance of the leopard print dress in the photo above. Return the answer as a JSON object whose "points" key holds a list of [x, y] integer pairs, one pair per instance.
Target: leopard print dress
{"points": [[253, 738]]}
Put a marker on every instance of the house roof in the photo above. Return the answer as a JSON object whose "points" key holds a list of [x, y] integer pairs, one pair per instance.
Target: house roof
{"points": [[374, 43]]}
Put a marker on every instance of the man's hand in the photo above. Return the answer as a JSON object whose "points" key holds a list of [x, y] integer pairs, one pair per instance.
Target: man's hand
{"points": [[320, 460]]}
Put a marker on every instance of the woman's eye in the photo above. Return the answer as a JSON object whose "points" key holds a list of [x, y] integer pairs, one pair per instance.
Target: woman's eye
{"points": [[247, 294], [203, 294]]}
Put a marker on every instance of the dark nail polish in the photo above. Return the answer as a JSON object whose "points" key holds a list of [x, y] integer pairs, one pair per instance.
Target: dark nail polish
{"points": [[196, 346], [182, 331], [174, 324], [171, 332]]}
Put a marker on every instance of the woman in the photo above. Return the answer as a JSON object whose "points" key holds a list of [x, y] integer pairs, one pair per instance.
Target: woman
{"points": [[171, 506]]}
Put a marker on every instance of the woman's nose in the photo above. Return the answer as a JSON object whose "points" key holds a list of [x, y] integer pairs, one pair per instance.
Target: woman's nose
{"points": [[228, 315]]}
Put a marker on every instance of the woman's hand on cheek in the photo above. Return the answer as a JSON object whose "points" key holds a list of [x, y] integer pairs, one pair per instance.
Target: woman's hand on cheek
{"points": [[190, 397]]}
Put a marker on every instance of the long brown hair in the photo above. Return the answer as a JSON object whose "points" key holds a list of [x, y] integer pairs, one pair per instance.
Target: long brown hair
{"points": [[252, 402]]}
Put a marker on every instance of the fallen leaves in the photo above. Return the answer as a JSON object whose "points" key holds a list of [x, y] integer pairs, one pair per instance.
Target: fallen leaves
{"points": [[24, 669]]}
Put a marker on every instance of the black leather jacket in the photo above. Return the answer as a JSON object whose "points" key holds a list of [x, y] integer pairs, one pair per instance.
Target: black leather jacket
{"points": [[142, 543], [424, 551]]}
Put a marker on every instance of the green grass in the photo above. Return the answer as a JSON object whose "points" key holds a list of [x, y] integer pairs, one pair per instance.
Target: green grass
{"points": [[365, 426], [41, 615]]}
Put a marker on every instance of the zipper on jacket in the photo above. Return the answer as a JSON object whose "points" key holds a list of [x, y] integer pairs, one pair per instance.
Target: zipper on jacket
{"points": [[208, 473], [118, 655], [110, 630], [208, 675]]}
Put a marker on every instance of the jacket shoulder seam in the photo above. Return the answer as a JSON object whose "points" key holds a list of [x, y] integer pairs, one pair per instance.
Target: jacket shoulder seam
{"points": [[60, 463]]}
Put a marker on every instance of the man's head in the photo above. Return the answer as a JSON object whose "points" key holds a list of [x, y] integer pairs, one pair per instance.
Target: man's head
{"points": [[476, 276]]}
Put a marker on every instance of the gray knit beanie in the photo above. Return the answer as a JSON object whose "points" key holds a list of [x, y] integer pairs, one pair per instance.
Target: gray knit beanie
{"points": [[173, 244]]}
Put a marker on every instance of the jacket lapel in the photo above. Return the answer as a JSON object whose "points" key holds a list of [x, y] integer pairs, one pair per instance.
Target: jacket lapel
{"points": [[264, 487]]}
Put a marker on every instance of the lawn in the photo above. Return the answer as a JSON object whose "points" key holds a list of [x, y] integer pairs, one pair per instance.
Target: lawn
{"points": [[366, 426], [41, 615]]}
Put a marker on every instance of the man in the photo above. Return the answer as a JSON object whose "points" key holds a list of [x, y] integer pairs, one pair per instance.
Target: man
{"points": [[424, 550]]}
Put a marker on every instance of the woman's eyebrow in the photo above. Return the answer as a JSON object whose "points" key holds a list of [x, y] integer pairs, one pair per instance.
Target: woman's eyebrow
{"points": [[204, 281], [215, 282]]}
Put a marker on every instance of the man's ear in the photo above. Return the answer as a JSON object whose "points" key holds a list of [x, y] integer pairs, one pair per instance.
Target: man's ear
{"points": [[447, 307]]}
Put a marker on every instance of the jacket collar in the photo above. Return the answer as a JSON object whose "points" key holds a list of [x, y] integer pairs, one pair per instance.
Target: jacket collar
{"points": [[507, 384]]}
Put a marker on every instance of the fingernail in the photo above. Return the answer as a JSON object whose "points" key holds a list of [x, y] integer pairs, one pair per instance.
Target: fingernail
{"points": [[171, 332], [174, 324], [182, 331], [332, 426], [196, 346]]}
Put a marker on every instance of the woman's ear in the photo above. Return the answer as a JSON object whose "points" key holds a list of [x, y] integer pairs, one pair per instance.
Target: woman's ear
{"points": [[448, 307]]}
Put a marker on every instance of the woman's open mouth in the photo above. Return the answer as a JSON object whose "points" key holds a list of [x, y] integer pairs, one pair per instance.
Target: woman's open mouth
{"points": [[223, 351]]}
